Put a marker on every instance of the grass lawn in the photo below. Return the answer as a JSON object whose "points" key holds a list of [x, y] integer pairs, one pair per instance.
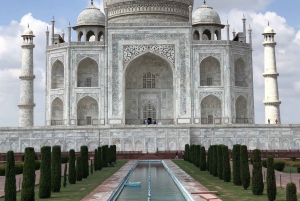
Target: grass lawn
{"points": [[226, 191], [76, 192]]}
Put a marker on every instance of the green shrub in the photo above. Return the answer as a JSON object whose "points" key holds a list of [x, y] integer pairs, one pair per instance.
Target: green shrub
{"points": [[264, 163], [84, 153], [114, 153], [99, 161], [215, 161], [56, 169], [226, 164], [208, 159], [245, 173], [2, 170], [202, 159], [104, 155], [257, 177], [271, 182], [236, 170], [10, 188], [293, 158], [95, 160], [36, 158], [109, 155], [298, 169], [191, 153], [78, 168], [292, 163], [211, 159], [198, 147], [220, 161], [19, 168], [186, 152], [291, 192], [279, 165], [28, 183], [64, 159], [37, 165], [65, 175], [72, 169], [45, 173], [92, 166]]}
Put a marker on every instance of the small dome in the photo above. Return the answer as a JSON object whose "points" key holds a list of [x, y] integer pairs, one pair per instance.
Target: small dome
{"points": [[91, 16], [28, 32], [206, 15], [269, 30]]}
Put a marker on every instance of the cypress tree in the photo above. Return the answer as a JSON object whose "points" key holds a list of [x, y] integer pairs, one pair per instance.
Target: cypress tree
{"points": [[245, 173], [198, 147], [84, 153], [211, 159], [109, 155], [95, 160], [56, 169], [91, 166], [271, 182], [208, 159], [202, 159], [215, 161], [65, 176], [186, 152], [291, 192], [104, 155], [191, 154], [78, 168], [45, 173], [72, 168], [27, 193], [99, 161], [220, 162], [236, 169], [257, 177], [226, 164], [10, 178], [114, 153]]}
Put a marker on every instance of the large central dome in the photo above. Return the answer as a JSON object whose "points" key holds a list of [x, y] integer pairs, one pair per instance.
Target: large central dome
{"points": [[145, 11]]}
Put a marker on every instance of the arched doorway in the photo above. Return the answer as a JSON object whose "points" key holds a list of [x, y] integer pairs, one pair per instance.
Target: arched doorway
{"points": [[241, 110], [57, 112], [57, 75], [210, 72], [240, 74], [149, 91], [196, 35], [87, 73], [211, 110], [87, 111]]}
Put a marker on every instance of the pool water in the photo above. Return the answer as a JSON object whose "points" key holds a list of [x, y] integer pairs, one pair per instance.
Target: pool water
{"points": [[163, 187]]}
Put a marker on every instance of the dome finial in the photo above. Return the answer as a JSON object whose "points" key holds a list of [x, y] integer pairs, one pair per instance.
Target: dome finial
{"points": [[204, 2], [92, 2]]}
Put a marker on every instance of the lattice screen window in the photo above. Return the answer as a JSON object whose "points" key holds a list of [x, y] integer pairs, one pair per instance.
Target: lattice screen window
{"points": [[149, 111], [88, 120], [210, 119], [149, 81], [209, 81], [88, 82]]}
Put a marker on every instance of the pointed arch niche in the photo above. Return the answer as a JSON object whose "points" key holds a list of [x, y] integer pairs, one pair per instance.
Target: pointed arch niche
{"points": [[57, 112], [87, 111], [211, 110], [155, 90], [210, 72], [87, 73], [57, 75], [240, 74], [196, 35], [241, 109]]}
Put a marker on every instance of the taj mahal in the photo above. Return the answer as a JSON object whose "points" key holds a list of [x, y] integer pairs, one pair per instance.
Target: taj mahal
{"points": [[149, 75]]}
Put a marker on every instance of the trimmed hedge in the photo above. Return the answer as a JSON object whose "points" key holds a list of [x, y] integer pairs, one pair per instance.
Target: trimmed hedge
{"points": [[36, 158], [245, 173], [27, 193], [113, 153], [72, 168], [264, 163], [279, 165], [291, 192], [202, 159], [236, 165], [10, 188], [64, 159], [220, 161], [18, 169], [65, 175], [79, 168], [215, 161], [84, 153], [99, 161], [95, 160], [92, 167], [198, 147], [208, 159], [45, 174], [226, 164], [257, 177], [104, 155], [186, 152], [271, 182], [56, 169]]}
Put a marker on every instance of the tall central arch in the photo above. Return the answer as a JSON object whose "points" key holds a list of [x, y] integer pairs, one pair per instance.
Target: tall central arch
{"points": [[149, 90]]}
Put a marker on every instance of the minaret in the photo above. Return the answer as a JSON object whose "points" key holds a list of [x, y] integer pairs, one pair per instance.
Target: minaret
{"points": [[272, 103], [26, 104]]}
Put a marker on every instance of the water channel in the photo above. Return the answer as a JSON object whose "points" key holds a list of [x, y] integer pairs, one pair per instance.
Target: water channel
{"points": [[163, 187]]}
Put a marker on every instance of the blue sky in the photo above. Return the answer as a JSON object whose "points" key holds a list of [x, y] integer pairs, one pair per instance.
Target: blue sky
{"points": [[283, 15]]}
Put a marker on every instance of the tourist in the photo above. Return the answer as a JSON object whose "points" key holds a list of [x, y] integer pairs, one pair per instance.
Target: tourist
{"points": [[276, 121], [268, 121], [182, 154], [176, 155]]}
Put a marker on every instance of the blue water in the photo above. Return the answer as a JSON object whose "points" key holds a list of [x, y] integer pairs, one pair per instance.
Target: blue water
{"points": [[163, 187]]}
